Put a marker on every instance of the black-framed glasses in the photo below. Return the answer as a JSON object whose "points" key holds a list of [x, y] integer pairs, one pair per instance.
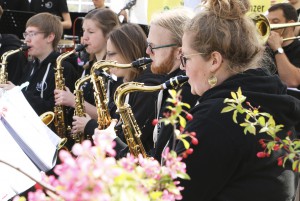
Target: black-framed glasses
{"points": [[31, 34], [184, 58], [161, 46]]}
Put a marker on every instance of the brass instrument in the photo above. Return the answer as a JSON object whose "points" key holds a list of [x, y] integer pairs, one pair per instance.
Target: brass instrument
{"points": [[59, 111], [100, 68], [79, 106], [264, 27], [47, 117], [130, 128], [3, 72]]}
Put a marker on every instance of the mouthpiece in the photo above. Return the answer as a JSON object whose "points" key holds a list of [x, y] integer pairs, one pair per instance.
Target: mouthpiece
{"points": [[141, 62], [24, 47], [175, 82], [100, 72], [80, 47]]}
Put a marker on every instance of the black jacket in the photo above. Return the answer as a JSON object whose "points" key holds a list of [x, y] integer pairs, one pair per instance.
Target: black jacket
{"points": [[166, 131], [143, 105], [224, 165], [40, 94], [15, 62]]}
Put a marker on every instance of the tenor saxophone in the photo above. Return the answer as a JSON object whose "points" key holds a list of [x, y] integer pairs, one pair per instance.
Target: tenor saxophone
{"points": [[3, 72], [59, 110], [98, 72], [132, 132]]}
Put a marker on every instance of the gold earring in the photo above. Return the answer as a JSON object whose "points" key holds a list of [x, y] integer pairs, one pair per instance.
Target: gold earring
{"points": [[212, 81]]}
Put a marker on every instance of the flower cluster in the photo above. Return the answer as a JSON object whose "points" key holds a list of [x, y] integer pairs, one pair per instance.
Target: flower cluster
{"points": [[177, 114], [265, 122], [91, 172]]}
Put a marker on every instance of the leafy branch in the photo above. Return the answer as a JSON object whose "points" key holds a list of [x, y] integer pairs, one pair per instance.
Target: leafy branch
{"points": [[261, 122], [177, 114]]}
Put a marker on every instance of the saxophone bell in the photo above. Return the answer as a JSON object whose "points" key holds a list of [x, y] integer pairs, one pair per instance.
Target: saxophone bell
{"points": [[47, 117]]}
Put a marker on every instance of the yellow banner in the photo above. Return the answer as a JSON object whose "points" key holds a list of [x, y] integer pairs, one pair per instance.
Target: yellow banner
{"points": [[160, 5], [259, 6]]}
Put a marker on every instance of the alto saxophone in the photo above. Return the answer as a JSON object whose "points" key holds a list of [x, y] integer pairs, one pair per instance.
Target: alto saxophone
{"points": [[132, 132], [59, 110], [98, 70], [79, 105], [3, 72]]}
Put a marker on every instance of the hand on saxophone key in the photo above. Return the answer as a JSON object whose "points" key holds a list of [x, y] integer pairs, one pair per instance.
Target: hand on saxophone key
{"points": [[64, 97], [110, 130], [79, 123], [9, 85]]}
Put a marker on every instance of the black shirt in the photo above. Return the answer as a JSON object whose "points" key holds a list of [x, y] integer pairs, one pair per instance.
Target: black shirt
{"points": [[41, 78], [56, 7], [20, 5]]}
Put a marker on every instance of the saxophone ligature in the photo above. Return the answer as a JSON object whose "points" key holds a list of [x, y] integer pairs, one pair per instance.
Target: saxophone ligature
{"points": [[59, 110], [98, 71], [3, 72], [130, 127]]}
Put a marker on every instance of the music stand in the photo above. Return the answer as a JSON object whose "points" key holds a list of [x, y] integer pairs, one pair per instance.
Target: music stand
{"points": [[14, 22]]}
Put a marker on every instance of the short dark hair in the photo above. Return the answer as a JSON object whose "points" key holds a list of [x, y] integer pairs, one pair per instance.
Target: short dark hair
{"points": [[289, 12]]}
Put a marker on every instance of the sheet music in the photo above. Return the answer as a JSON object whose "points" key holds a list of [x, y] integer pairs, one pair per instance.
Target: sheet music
{"points": [[37, 140], [13, 182], [25, 142]]}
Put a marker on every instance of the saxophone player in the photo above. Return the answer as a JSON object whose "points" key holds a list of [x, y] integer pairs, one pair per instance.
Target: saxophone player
{"points": [[97, 25], [123, 49], [42, 34], [164, 48]]}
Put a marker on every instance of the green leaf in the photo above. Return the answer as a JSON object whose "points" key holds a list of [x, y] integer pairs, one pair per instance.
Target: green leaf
{"points": [[291, 156], [185, 143], [183, 176], [227, 109], [186, 105], [172, 92], [233, 95], [234, 117], [295, 163], [182, 121], [155, 195], [252, 129], [262, 121]]}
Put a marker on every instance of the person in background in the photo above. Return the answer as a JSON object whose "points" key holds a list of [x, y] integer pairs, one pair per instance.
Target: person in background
{"points": [[19, 5], [99, 4], [123, 16], [296, 5], [15, 62], [164, 48], [125, 45], [96, 26], [56, 7], [42, 34], [285, 52], [221, 52]]}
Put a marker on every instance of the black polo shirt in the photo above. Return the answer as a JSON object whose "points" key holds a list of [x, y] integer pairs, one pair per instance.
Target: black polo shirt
{"points": [[56, 7]]}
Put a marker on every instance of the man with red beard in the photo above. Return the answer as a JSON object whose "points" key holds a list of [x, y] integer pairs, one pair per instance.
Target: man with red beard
{"points": [[164, 48]]}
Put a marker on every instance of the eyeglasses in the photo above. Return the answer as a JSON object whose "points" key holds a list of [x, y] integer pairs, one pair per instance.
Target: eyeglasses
{"points": [[31, 34], [158, 47], [184, 58]]}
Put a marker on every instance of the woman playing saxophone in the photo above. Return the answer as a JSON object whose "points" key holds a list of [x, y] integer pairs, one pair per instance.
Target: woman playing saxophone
{"points": [[97, 24]]}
